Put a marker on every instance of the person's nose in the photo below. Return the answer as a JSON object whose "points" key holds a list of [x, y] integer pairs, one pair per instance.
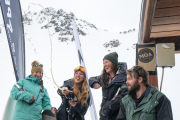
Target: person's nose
{"points": [[78, 75], [127, 81], [39, 74]]}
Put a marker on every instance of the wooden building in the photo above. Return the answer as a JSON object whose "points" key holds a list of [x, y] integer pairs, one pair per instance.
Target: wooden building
{"points": [[160, 23]]}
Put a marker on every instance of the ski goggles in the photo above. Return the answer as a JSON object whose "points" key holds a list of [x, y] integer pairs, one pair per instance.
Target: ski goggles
{"points": [[81, 68], [35, 65]]}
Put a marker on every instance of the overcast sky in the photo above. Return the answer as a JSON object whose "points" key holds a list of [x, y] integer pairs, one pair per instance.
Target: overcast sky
{"points": [[112, 15]]}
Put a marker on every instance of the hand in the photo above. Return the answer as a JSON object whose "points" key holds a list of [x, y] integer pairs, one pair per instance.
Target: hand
{"points": [[72, 103], [53, 110], [65, 92], [97, 86], [32, 100]]}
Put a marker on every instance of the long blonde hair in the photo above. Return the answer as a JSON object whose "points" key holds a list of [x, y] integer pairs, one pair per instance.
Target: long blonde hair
{"points": [[82, 95]]}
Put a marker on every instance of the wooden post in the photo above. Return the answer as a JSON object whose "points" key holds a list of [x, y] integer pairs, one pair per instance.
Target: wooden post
{"points": [[153, 79]]}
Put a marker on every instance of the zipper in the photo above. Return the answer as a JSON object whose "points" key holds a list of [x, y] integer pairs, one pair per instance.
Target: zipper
{"points": [[34, 91], [38, 95]]}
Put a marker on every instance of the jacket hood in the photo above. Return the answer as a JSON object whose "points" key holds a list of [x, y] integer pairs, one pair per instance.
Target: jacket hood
{"points": [[33, 79], [121, 73]]}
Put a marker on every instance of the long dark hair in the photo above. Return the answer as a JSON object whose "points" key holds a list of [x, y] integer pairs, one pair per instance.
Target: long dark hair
{"points": [[105, 75], [41, 83]]}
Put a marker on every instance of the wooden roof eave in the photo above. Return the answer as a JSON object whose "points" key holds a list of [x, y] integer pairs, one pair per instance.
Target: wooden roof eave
{"points": [[146, 18]]}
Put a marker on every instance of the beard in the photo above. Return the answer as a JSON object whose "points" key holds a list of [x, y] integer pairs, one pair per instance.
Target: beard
{"points": [[133, 88]]}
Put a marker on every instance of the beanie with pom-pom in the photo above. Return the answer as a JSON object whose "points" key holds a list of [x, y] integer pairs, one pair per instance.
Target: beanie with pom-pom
{"points": [[36, 66]]}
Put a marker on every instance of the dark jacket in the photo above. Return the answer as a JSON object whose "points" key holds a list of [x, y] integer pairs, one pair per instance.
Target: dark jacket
{"points": [[110, 106], [68, 112], [154, 106]]}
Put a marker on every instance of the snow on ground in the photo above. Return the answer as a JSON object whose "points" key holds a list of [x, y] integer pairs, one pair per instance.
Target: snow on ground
{"points": [[65, 59]]}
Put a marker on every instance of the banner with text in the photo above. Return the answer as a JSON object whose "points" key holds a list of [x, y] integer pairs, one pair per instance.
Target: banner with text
{"points": [[12, 16]]}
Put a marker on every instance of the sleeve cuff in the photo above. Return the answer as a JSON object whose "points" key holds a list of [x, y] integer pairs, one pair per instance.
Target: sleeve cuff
{"points": [[28, 97], [94, 84]]}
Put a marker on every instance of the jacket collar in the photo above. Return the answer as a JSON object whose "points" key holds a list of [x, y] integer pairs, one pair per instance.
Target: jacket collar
{"points": [[147, 90], [33, 79], [118, 71], [148, 94], [120, 76]]}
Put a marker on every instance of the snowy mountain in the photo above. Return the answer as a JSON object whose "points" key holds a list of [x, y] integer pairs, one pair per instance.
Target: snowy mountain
{"points": [[59, 22], [95, 44]]}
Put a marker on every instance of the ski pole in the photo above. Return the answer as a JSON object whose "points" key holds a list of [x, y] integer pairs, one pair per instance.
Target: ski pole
{"points": [[116, 95]]}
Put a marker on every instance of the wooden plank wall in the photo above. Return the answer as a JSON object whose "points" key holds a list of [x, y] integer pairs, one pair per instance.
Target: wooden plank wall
{"points": [[166, 20]]}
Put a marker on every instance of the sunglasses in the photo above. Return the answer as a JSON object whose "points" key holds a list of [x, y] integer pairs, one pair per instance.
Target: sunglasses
{"points": [[81, 68], [35, 65]]}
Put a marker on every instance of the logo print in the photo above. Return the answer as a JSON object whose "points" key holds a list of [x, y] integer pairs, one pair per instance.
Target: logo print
{"points": [[146, 55]]}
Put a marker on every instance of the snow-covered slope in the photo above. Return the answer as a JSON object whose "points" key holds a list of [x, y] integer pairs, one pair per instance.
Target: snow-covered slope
{"points": [[95, 44]]}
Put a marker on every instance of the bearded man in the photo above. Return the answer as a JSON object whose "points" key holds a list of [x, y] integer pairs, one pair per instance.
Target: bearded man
{"points": [[143, 101]]}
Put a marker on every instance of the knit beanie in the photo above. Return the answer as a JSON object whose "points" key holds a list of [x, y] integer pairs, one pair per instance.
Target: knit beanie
{"points": [[36, 66], [113, 57]]}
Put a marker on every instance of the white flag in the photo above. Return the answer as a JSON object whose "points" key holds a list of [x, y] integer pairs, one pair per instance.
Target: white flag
{"points": [[81, 60]]}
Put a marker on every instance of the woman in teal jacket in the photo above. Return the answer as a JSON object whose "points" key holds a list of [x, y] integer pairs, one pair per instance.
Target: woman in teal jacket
{"points": [[31, 96]]}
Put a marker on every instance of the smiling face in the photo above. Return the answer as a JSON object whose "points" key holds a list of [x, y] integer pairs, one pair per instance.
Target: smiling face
{"points": [[37, 74], [108, 66], [78, 77], [132, 83]]}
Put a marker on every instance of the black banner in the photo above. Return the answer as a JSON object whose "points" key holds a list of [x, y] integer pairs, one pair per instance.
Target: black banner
{"points": [[12, 16]]}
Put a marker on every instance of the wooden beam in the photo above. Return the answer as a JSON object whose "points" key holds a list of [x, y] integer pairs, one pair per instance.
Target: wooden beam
{"points": [[177, 47], [178, 52], [165, 34], [165, 28], [166, 20], [148, 17], [167, 12], [175, 39], [167, 3]]}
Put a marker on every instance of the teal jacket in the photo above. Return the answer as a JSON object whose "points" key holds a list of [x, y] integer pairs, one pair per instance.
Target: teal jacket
{"points": [[24, 110], [154, 106]]}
